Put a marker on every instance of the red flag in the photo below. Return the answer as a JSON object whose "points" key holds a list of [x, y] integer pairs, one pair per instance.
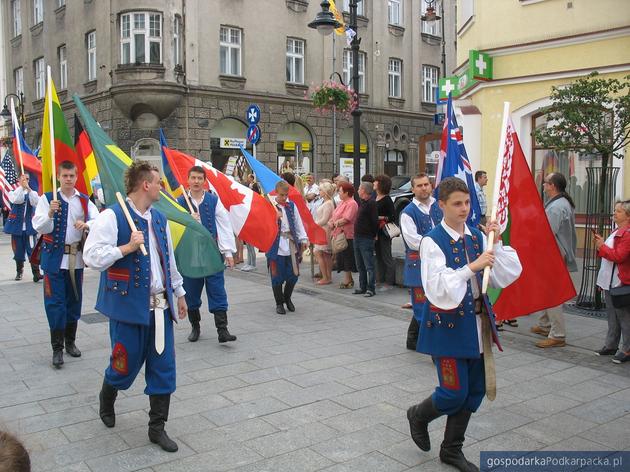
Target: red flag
{"points": [[544, 281], [253, 218], [316, 234]]}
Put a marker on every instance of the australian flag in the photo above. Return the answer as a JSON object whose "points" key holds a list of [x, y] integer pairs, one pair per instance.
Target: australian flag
{"points": [[454, 161]]}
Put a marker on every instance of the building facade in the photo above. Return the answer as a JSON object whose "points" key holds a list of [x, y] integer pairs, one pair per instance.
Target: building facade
{"points": [[193, 67]]}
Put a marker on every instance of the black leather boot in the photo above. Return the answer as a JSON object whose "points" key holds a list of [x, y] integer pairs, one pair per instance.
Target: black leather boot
{"points": [[220, 321], [37, 275], [56, 339], [412, 334], [106, 399], [158, 415], [71, 335], [419, 417], [195, 318], [451, 449], [277, 294], [19, 270], [288, 291]]}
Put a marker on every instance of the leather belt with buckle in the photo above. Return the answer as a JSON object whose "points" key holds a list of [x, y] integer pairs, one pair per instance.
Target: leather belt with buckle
{"points": [[72, 248], [158, 300]]}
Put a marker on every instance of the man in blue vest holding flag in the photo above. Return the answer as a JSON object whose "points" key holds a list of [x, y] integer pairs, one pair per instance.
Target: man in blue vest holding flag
{"points": [[419, 217], [208, 210], [19, 225], [62, 220], [141, 295], [285, 255]]}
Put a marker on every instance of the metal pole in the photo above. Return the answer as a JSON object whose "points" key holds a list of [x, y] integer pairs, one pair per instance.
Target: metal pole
{"points": [[334, 114], [356, 114], [443, 41], [22, 112]]}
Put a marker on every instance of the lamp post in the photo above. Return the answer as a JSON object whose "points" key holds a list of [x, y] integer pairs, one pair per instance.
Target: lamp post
{"points": [[6, 114], [431, 16], [325, 23]]}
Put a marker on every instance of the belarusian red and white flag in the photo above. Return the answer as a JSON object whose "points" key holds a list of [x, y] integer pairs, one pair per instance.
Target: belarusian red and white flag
{"points": [[544, 281], [253, 218]]}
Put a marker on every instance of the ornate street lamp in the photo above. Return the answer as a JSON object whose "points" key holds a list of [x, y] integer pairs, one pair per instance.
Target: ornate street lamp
{"points": [[325, 27], [6, 114], [431, 16]]}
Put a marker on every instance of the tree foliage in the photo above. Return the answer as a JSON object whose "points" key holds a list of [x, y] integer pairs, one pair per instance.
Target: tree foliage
{"points": [[590, 115]]}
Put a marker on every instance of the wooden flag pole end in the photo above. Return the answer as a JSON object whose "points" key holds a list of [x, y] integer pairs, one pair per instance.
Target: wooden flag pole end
{"points": [[132, 225]]}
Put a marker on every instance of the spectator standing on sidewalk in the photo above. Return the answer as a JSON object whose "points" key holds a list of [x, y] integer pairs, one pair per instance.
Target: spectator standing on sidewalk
{"points": [[365, 229], [560, 211], [342, 221], [481, 180], [615, 271], [385, 269]]}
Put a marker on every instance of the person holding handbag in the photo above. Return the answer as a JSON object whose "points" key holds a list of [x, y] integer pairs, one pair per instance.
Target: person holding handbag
{"points": [[342, 221], [323, 213], [385, 269], [614, 272]]}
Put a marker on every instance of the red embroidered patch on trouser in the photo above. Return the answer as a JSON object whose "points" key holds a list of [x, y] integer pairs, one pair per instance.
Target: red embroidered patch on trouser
{"points": [[450, 378], [119, 359], [273, 268], [47, 289], [418, 295]]}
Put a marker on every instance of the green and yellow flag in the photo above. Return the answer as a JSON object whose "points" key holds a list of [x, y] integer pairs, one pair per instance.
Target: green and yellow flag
{"points": [[196, 252]]}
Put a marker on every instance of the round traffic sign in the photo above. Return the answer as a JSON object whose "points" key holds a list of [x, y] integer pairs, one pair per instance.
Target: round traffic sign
{"points": [[253, 114], [253, 134]]}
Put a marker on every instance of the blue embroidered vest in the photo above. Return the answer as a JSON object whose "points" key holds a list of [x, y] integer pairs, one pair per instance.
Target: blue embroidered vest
{"points": [[17, 218], [53, 243], [424, 223], [207, 211], [125, 287], [453, 333], [272, 254]]}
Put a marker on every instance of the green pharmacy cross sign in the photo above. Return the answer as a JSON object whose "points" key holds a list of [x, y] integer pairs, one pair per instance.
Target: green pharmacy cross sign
{"points": [[479, 69]]}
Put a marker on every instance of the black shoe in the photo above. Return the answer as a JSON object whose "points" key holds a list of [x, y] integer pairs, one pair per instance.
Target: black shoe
{"points": [[71, 335], [158, 416], [606, 352], [106, 399], [279, 297], [412, 334], [56, 340], [419, 417], [358, 291], [280, 309], [19, 270], [37, 275], [195, 319], [451, 449], [288, 291], [220, 321]]}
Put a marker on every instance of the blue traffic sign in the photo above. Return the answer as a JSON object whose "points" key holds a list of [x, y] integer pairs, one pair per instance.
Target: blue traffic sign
{"points": [[253, 114], [253, 134]]}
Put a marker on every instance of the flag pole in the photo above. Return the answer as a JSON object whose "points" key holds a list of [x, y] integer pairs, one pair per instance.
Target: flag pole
{"points": [[51, 132], [192, 210], [497, 186], [16, 131], [132, 225]]}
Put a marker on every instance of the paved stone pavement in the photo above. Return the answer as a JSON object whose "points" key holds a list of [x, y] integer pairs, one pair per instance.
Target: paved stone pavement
{"points": [[322, 389]]}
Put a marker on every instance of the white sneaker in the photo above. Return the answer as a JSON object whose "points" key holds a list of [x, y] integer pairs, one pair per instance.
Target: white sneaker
{"points": [[246, 268]]}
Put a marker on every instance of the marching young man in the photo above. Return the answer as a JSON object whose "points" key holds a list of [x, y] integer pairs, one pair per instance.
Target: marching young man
{"points": [[419, 217], [283, 259], [19, 225], [457, 321], [141, 295], [210, 212], [63, 221]]}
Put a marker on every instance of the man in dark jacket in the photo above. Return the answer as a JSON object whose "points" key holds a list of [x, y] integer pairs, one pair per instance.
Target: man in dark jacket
{"points": [[365, 229]]}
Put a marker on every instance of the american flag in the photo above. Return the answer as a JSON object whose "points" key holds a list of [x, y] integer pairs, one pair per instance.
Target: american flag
{"points": [[8, 179]]}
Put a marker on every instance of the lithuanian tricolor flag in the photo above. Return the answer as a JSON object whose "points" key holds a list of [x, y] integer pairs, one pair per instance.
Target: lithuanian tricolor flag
{"points": [[55, 123], [196, 252]]}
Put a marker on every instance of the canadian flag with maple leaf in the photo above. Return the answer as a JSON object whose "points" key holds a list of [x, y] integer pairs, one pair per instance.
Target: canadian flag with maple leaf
{"points": [[253, 218]]}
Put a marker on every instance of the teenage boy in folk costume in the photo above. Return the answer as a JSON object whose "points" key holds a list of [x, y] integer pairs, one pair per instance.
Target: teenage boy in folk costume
{"points": [[210, 212], [141, 295], [63, 221], [19, 225], [457, 321]]}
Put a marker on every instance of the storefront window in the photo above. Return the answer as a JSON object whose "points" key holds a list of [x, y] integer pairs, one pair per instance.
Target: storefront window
{"points": [[346, 153], [395, 163], [226, 137], [295, 149]]}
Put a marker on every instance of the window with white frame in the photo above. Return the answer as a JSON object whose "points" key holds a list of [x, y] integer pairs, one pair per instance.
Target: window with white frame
{"points": [[63, 67], [18, 77], [38, 11], [90, 42], [432, 27], [430, 75], [141, 38], [295, 60], [360, 7], [230, 41], [395, 78], [347, 69], [394, 12], [60, 3], [40, 78], [16, 14], [177, 40]]}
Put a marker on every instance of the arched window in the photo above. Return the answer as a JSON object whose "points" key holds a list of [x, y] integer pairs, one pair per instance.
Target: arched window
{"points": [[148, 149], [395, 162], [295, 149], [226, 137]]}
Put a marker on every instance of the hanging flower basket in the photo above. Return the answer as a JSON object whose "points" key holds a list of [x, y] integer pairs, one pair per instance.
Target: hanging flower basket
{"points": [[333, 94]]}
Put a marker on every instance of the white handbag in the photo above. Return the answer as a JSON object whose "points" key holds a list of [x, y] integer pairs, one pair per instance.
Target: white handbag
{"points": [[391, 230]]}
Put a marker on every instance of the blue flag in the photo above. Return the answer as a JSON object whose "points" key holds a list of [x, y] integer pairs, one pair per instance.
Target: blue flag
{"points": [[171, 180], [264, 175], [454, 161]]}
